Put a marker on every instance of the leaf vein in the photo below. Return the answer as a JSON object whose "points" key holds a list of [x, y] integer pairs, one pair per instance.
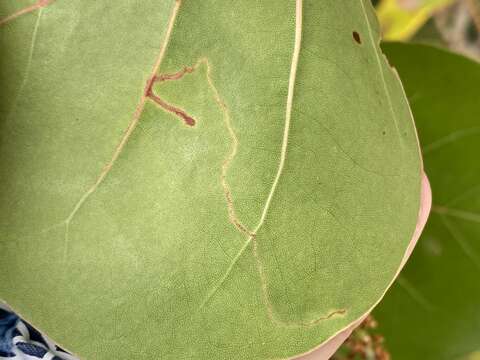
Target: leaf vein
{"points": [[40, 4], [131, 126]]}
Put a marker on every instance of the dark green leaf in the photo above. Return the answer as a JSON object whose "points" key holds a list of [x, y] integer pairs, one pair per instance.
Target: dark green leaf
{"points": [[433, 310]]}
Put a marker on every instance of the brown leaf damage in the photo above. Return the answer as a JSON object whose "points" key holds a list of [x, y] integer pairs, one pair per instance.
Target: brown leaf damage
{"points": [[128, 131], [149, 93], [191, 122], [38, 5]]}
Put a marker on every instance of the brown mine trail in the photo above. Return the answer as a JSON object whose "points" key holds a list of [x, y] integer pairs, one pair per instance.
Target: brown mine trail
{"points": [[38, 5], [149, 93]]}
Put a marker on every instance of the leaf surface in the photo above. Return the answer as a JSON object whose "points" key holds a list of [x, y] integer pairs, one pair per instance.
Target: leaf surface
{"points": [[204, 180], [432, 312]]}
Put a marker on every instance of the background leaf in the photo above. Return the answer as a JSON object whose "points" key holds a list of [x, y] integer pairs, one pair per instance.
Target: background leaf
{"points": [[216, 230], [432, 312], [401, 19]]}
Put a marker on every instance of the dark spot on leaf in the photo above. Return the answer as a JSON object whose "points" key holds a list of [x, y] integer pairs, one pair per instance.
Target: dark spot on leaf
{"points": [[384, 132], [356, 37]]}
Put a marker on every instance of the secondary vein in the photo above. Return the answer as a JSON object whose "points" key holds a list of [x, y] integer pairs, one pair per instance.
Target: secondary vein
{"points": [[40, 4], [136, 117], [288, 115], [29, 64], [288, 110]]}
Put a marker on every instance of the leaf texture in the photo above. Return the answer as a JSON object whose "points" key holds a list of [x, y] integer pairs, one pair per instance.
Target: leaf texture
{"points": [[201, 180]]}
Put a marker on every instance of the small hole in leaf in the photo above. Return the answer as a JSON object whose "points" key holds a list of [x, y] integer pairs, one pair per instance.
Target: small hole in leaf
{"points": [[356, 37]]}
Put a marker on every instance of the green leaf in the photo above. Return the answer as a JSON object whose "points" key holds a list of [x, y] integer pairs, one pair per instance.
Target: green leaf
{"points": [[249, 202], [432, 312]]}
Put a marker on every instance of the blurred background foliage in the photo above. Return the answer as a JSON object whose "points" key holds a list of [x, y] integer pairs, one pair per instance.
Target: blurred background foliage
{"points": [[453, 24]]}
